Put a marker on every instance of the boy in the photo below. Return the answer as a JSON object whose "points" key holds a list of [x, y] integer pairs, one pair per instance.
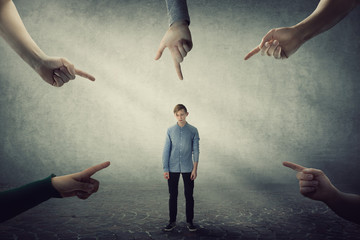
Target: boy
{"points": [[181, 155]]}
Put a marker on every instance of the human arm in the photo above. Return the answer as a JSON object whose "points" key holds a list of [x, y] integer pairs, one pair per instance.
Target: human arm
{"points": [[53, 70], [315, 185], [196, 153], [285, 41], [178, 37], [194, 171], [195, 146], [166, 155], [18, 200], [177, 11]]}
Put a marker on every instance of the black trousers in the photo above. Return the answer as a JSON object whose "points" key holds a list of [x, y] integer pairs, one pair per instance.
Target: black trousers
{"points": [[173, 183]]}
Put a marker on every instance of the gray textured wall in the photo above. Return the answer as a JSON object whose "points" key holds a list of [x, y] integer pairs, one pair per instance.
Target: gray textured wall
{"points": [[251, 115]]}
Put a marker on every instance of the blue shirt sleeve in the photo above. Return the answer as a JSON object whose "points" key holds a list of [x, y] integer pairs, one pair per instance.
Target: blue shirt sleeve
{"points": [[166, 152], [177, 11], [196, 151]]}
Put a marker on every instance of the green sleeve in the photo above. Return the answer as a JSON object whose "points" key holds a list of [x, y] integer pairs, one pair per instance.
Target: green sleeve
{"points": [[18, 200]]}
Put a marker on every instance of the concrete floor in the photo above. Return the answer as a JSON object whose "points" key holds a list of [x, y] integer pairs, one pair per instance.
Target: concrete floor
{"points": [[137, 211]]}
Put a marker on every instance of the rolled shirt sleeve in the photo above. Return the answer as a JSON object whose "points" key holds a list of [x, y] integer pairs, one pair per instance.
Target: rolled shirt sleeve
{"points": [[196, 150]]}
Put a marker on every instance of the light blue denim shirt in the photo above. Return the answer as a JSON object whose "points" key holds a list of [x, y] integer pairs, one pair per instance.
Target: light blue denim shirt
{"points": [[181, 148], [177, 11]]}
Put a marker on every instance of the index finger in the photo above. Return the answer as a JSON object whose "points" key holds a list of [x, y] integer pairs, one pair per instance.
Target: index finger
{"points": [[294, 166], [252, 53], [178, 70], [84, 74], [92, 170]]}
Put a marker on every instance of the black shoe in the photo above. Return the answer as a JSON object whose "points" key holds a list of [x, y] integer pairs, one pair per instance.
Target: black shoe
{"points": [[191, 227], [170, 227]]}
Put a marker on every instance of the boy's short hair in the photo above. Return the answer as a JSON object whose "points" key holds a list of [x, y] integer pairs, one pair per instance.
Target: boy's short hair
{"points": [[179, 107]]}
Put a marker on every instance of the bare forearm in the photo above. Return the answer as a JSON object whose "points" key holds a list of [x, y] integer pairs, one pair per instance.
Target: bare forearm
{"points": [[15, 34], [326, 15], [346, 205]]}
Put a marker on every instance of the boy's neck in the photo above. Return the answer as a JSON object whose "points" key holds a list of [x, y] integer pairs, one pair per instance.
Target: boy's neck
{"points": [[181, 124]]}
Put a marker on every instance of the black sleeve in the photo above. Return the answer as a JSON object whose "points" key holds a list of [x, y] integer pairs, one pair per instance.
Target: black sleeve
{"points": [[18, 200]]}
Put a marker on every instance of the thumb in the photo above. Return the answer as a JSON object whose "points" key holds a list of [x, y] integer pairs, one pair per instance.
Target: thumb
{"points": [[313, 171], [266, 38], [68, 65], [160, 51]]}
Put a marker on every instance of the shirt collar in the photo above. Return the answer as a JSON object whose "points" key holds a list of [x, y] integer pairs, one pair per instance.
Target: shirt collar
{"points": [[183, 126]]}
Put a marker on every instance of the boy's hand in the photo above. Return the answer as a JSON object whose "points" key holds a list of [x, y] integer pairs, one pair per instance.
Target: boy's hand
{"points": [[193, 175]]}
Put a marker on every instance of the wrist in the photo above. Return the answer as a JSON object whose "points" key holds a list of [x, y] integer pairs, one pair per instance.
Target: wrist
{"points": [[180, 23], [301, 33], [56, 192], [333, 197], [37, 59], [54, 182]]}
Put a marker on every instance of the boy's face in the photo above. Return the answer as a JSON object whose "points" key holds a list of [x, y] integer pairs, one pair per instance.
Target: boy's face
{"points": [[181, 116]]}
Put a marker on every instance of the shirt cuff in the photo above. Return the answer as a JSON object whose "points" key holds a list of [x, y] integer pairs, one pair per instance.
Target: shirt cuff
{"points": [[178, 11]]}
